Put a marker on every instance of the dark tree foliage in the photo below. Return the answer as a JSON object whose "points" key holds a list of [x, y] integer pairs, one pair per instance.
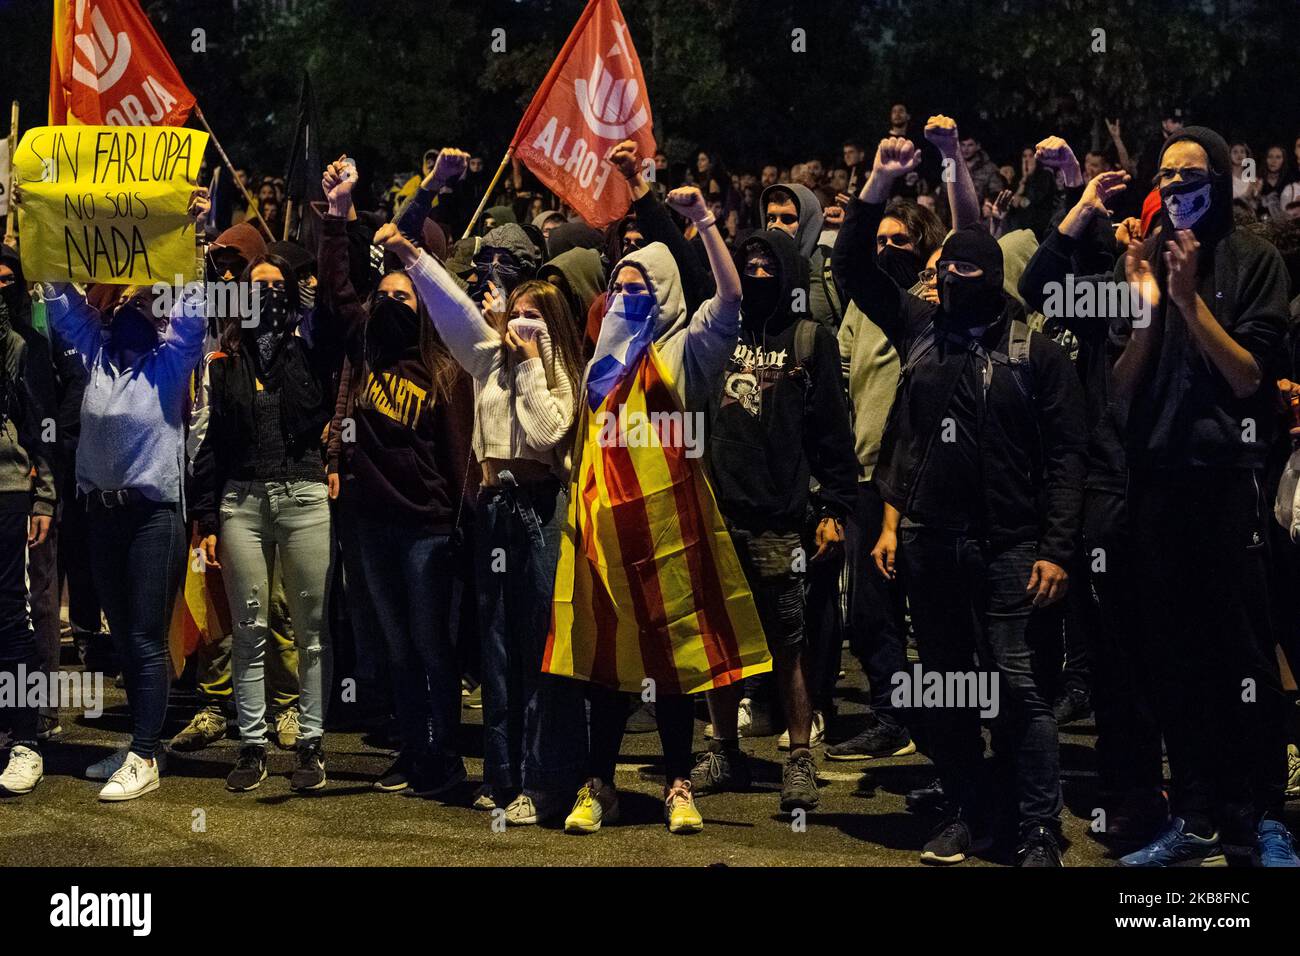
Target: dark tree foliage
{"points": [[753, 79]]}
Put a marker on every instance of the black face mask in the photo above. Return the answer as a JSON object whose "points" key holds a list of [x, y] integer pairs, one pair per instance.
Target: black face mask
{"points": [[968, 302], [901, 265], [760, 296], [272, 309], [133, 331], [396, 321]]}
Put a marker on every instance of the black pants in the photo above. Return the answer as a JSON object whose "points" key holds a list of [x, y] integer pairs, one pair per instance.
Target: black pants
{"points": [[877, 625], [17, 639], [43, 578], [969, 602], [675, 714], [1111, 596], [74, 558], [1201, 563]]}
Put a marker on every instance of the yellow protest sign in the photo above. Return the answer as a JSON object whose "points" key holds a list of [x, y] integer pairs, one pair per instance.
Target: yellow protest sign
{"points": [[107, 203]]}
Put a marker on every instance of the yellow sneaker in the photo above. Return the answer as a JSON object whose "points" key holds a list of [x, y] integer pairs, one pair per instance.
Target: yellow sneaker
{"points": [[597, 803], [679, 809]]}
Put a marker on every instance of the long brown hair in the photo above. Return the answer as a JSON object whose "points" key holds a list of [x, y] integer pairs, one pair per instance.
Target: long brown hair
{"points": [[560, 324]]}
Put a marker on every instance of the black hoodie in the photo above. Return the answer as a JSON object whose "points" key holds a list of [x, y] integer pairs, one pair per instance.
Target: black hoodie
{"points": [[775, 423], [1028, 458], [1184, 413]]}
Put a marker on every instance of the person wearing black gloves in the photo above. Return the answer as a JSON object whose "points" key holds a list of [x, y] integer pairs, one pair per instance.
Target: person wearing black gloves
{"points": [[982, 460], [778, 418]]}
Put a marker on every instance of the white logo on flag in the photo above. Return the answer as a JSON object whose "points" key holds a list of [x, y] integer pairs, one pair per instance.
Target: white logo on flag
{"points": [[108, 56], [608, 104]]}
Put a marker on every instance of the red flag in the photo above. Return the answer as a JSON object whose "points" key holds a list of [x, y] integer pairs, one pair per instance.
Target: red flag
{"points": [[108, 68], [593, 97]]}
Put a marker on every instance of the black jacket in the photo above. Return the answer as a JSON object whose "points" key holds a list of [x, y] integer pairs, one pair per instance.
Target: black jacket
{"points": [[306, 377], [1031, 449], [777, 421]]}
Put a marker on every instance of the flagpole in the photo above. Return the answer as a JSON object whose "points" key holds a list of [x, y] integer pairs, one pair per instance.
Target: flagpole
{"points": [[248, 198], [482, 203], [11, 223]]}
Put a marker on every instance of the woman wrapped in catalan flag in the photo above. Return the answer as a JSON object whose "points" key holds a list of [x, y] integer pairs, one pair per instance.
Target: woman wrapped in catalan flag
{"points": [[650, 597]]}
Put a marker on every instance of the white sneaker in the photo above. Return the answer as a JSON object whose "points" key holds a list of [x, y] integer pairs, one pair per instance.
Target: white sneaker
{"points": [[814, 738], [745, 718], [597, 804], [25, 770], [111, 764], [135, 778], [525, 810], [1292, 770]]}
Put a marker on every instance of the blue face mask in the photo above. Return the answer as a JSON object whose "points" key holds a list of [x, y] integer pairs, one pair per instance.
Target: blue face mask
{"points": [[626, 332]]}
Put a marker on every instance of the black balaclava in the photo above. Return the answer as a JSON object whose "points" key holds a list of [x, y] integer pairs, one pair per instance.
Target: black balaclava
{"points": [[768, 303], [1205, 208], [15, 294], [964, 302]]}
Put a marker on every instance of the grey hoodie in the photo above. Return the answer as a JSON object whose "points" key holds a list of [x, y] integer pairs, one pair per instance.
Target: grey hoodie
{"points": [[823, 300]]}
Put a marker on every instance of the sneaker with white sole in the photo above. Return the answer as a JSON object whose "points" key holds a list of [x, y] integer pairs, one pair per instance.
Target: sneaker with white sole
{"points": [[24, 772], [103, 769], [134, 778], [528, 810], [1292, 771], [816, 737], [287, 729], [597, 804]]}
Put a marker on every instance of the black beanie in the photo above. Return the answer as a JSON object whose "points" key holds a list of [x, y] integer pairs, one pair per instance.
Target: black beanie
{"points": [[979, 248], [1218, 223]]}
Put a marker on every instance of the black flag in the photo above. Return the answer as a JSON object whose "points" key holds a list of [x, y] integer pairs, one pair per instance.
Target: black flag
{"points": [[303, 171]]}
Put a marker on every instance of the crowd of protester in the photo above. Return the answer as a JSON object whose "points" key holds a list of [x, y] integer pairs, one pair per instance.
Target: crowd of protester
{"points": [[1093, 503]]}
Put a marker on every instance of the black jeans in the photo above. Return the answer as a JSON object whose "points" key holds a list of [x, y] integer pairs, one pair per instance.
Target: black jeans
{"points": [[74, 558], [675, 714], [877, 624], [1201, 557], [138, 556], [17, 639], [1111, 594], [969, 601]]}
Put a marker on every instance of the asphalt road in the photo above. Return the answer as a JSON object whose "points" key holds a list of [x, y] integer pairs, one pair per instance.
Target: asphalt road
{"points": [[192, 819]]}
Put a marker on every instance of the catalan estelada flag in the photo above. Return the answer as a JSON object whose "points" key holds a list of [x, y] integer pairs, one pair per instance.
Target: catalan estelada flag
{"points": [[648, 582]]}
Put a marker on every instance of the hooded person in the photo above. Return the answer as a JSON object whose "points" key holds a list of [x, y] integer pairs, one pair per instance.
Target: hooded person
{"points": [[573, 235], [778, 420], [640, 499], [232, 251], [795, 210], [580, 275], [495, 216], [1199, 380], [506, 257], [981, 466]]}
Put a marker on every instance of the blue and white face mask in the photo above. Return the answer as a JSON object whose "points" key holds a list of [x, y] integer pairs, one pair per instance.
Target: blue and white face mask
{"points": [[627, 330]]}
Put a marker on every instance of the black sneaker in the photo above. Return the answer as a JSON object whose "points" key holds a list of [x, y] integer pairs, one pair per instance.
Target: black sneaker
{"points": [[951, 842], [799, 782], [1039, 848], [1074, 704], [928, 799], [882, 739], [719, 769], [397, 777], [309, 774], [431, 778], [250, 769]]}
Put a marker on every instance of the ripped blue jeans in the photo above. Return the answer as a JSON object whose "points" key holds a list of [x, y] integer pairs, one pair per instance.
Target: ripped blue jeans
{"points": [[263, 522]]}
